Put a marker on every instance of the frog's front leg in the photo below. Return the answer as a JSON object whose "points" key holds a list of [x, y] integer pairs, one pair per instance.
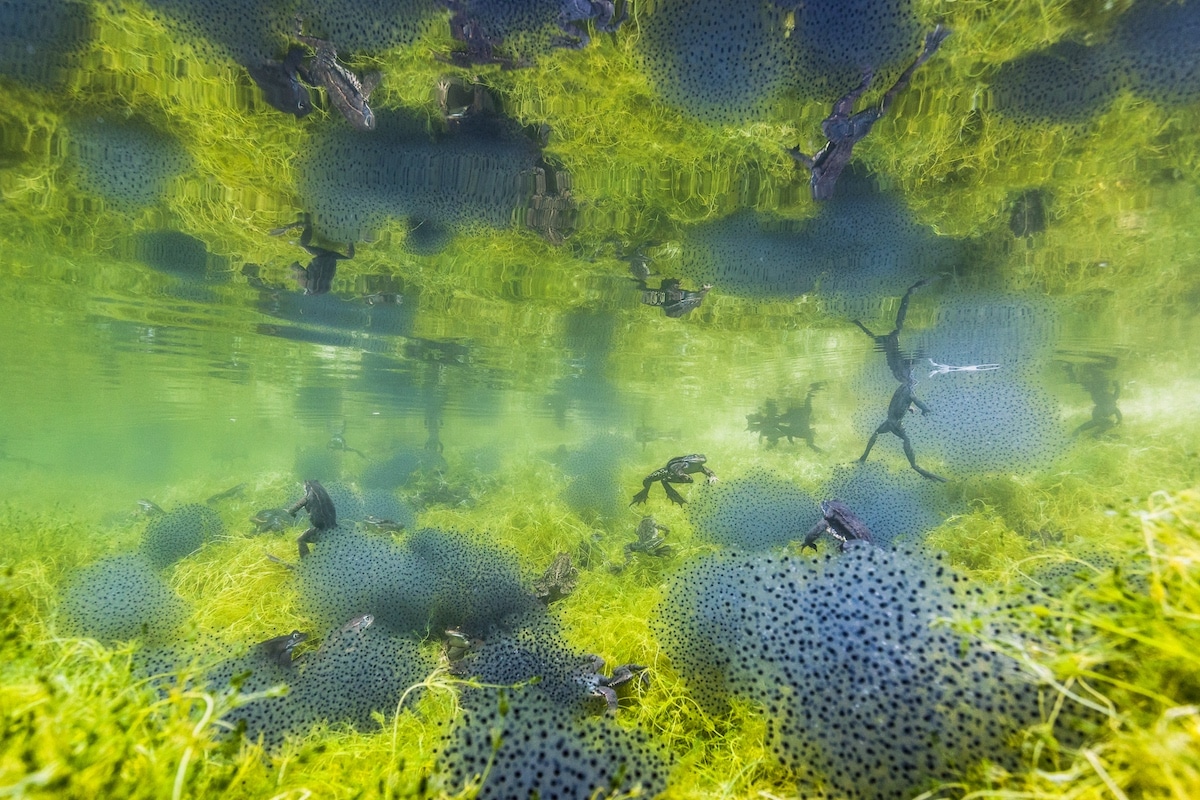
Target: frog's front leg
{"points": [[924, 408], [644, 494], [814, 533], [710, 476]]}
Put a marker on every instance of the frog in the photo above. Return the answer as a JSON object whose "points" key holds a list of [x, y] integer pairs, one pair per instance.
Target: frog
{"points": [[348, 94], [843, 128], [322, 516], [280, 82], [671, 298], [481, 45], [381, 524], [795, 423], [337, 441], [902, 402], [279, 649], [456, 644], [228, 494], [649, 540], [317, 277], [1095, 376], [903, 399], [272, 520], [839, 522], [677, 470], [592, 679], [149, 508], [347, 638], [557, 581], [574, 14]]}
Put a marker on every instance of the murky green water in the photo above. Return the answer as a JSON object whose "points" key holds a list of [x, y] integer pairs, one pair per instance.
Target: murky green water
{"points": [[492, 331]]}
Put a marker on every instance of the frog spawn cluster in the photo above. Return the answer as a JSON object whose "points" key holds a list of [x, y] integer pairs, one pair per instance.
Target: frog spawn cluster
{"points": [[860, 688], [727, 62], [862, 243], [1154, 50], [550, 745], [760, 510]]}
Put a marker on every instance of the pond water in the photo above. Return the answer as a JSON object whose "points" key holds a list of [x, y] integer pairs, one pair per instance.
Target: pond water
{"points": [[566, 247]]}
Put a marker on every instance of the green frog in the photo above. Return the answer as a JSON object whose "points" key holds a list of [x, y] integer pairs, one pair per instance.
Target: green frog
{"points": [[557, 581], [322, 516], [677, 470], [279, 649], [840, 523], [348, 94]]}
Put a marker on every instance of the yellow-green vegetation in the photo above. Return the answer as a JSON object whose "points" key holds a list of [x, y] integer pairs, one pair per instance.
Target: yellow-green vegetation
{"points": [[77, 723]]}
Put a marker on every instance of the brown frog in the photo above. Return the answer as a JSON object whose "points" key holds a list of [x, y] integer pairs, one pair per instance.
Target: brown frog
{"points": [[322, 516], [839, 522], [557, 581], [348, 94]]}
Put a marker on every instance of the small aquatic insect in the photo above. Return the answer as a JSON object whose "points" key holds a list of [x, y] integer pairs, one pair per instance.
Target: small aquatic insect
{"points": [[839, 522], [677, 470], [844, 129], [348, 94], [321, 513]]}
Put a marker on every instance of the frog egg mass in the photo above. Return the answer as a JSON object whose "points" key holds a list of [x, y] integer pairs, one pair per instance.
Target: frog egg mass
{"points": [[431, 581], [756, 511], [718, 61], [1065, 83], [547, 754], [858, 685], [179, 533], [39, 39], [355, 181], [1158, 44], [860, 244], [121, 598], [127, 162]]}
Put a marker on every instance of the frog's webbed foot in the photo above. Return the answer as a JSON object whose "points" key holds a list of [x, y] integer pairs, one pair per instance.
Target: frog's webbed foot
{"points": [[641, 496], [673, 495]]}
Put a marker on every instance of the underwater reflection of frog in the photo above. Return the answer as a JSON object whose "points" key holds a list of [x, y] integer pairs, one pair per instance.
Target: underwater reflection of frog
{"points": [[671, 298], [280, 83], [903, 400], [317, 277], [795, 423], [346, 92], [1095, 376], [844, 129]]}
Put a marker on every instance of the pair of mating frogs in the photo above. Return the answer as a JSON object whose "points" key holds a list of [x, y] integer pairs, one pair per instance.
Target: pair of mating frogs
{"points": [[282, 89]]}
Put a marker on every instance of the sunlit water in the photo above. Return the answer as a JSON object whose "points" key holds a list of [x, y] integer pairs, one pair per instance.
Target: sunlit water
{"points": [[157, 344]]}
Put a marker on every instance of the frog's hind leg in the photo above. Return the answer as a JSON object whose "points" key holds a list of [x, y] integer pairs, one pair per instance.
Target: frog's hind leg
{"points": [[304, 539], [643, 495], [912, 457], [886, 426], [673, 495]]}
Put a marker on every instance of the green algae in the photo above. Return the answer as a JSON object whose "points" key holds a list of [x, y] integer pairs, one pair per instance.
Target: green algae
{"points": [[76, 721]]}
